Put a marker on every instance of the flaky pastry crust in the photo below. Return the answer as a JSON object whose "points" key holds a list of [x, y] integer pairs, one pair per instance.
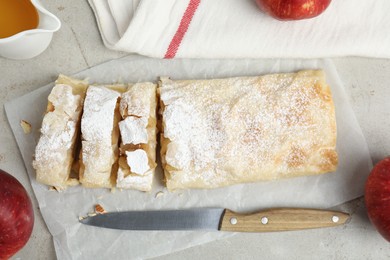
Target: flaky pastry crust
{"points": [[222, 132]]}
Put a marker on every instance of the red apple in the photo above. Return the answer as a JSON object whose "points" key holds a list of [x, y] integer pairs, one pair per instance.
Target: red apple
{"points": [[16, 216], [377, 197], [293, 9]]}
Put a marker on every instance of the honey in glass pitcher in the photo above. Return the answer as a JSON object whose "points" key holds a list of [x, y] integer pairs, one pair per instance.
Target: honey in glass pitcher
{"points": [[17, 16]]}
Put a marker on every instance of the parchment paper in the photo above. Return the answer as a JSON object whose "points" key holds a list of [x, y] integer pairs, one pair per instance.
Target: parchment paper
{"points": [[60, 211]]}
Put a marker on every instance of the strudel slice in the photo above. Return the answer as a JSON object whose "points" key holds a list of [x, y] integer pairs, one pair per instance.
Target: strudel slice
{"points": [[227, 131], [137, 160], [100, 134], [56, 147]]}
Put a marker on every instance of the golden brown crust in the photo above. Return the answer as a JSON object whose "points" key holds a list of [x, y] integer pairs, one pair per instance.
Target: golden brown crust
{"points": [[226, 131], [57, 147], [138, 130], [100, 136]]}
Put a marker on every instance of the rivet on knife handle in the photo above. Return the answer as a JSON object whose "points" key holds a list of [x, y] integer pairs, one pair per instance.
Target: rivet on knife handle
{"points": [[281, 219]]}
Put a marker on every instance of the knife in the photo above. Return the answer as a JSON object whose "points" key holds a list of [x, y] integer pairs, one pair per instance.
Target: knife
{"points": [[219, 219]]}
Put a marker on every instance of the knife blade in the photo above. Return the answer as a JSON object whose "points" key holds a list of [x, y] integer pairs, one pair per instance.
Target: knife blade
{"points": [[219, 219]]}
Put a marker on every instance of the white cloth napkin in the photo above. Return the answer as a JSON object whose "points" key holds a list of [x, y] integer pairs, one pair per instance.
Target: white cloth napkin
{"points": [[238, 29]]}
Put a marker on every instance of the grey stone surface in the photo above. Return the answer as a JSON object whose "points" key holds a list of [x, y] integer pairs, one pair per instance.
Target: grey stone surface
{"points": [[78, 46]]}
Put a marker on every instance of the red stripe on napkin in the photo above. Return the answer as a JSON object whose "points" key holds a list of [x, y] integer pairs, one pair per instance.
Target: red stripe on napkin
{"points": [[183, 27]]}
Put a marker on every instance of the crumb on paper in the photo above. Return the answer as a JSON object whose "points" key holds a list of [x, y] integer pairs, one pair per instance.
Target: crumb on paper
{"points": [[57, 189], [113, 190], [159, 194], [99, 209], [180, 194], [53, 188], [26, 126], [100, 197]]}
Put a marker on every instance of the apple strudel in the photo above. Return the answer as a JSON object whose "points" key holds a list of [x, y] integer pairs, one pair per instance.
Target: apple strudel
{"points": [[137, 160], [222, 132], [100, 136], [56, 148]]}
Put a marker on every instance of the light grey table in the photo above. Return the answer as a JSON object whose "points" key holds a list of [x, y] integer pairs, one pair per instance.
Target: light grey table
{"points": [[78, 46]]}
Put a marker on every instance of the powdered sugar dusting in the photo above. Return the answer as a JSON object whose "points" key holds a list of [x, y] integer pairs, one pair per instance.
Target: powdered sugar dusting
{"points": [[244, 129], [138, 110], [133, 130], [136, 100], [96, 128], [98, 116], [138, 161], [57, 133], [134, 181]]}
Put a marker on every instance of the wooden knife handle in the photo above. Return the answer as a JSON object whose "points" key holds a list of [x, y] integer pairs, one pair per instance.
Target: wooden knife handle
{"points": [[281, 219]]}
